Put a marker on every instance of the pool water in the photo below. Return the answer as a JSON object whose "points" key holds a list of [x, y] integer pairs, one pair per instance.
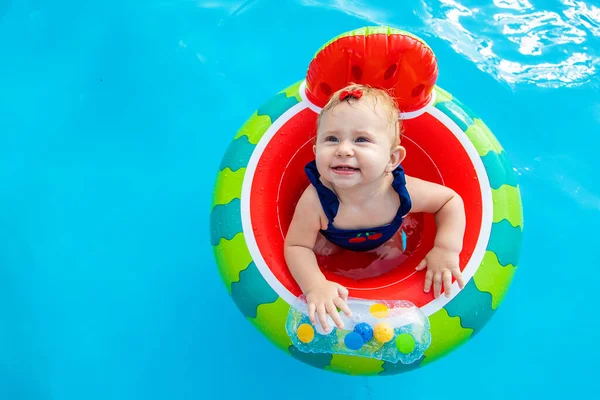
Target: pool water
{"points": [[114, 117]]}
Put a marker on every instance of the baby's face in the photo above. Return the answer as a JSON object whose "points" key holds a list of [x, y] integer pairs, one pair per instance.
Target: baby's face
{"points": [[354, 143]]}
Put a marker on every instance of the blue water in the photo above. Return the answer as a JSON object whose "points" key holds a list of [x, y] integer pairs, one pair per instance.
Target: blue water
{"points": [[113, 119]]}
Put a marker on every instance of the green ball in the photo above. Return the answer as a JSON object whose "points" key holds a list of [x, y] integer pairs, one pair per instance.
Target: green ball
{"points": [[405, 343]]}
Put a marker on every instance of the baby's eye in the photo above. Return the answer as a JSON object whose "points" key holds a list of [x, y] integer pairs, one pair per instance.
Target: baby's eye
{"points": [[331, 139], [362, 139]]}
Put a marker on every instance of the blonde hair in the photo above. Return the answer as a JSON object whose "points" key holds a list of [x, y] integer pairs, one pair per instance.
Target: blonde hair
{"points": [[388, 104]]}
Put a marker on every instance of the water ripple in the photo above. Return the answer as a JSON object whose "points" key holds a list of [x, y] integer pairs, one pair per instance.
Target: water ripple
{"points": [[588, 17], [355, 8], [513, 4], [517, 43]]}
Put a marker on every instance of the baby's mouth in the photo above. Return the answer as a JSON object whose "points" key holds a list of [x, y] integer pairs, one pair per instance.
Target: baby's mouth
{"points": [[345, 168]]}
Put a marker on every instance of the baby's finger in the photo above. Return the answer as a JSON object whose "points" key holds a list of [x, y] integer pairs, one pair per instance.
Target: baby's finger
{"points": [[447, 277], [428, 280], [323, 317], [459, 278], [311, 313], [437, 284], [421, 265], [341, 304], [334, 315], [343, 292]]}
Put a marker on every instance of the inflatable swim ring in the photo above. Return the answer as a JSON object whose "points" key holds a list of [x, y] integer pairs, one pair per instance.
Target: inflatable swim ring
{"points": [[261, 178]]}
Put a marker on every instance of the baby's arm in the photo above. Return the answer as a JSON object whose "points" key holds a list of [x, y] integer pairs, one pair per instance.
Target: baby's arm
{"points": [[322, 295], [442, 261], [447, 206], [301, 238]]}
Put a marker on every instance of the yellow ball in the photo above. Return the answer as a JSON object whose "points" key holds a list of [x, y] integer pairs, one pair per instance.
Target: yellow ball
{"points": [[383, 332], [306, 333], [379, 310]]}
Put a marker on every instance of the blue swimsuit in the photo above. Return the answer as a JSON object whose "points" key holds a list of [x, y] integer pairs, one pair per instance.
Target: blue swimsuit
{"points": [[358, 239]]}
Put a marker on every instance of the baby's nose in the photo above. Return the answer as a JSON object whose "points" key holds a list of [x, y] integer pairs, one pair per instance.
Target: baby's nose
{"points": [[345, 148]]}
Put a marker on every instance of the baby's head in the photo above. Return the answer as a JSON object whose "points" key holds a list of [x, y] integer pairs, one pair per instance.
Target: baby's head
{"points": [[378, 101], [358, 136]]}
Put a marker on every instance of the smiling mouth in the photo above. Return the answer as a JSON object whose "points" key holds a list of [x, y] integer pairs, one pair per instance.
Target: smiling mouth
{"points": [[345, 169]]}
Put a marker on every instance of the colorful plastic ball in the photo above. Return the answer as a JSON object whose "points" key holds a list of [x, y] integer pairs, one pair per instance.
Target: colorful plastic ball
{"points": [[364, 330], [379, 310], [353, 341], [405, 343], [383, 332], [305, 333]]}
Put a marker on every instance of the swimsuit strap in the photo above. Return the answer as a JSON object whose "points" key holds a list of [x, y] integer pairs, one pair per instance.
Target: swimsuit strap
{"points": [[399, 184], [329, 200]]}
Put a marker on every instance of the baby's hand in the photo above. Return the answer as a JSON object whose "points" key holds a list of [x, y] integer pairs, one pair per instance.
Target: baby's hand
{"points": [[323, 298], [441, 265]]}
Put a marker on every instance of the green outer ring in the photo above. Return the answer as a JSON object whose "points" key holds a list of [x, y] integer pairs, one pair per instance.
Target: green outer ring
{"points": [[451, 326]]}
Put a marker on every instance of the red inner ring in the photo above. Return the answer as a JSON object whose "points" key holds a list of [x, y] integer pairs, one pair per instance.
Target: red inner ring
{"points": [[433, 154]]}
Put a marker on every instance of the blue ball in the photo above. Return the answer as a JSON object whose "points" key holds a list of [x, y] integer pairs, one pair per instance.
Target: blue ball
{"points": [[364, 330], [353, 341]]}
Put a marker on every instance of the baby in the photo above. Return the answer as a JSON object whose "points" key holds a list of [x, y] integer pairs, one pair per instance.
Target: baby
{"points": [[359, 196]]}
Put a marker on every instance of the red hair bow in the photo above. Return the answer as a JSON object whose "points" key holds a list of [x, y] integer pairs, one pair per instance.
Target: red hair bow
{"points": [[356, 93]]}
